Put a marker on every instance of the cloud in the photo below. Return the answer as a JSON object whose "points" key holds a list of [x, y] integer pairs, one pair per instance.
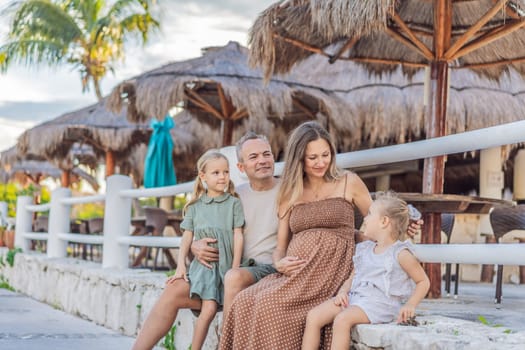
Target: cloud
{"points": [[10, 132], [30, 112], [29, 96]]}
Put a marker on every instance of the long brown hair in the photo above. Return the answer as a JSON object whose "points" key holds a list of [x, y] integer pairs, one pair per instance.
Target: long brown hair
{"points": [[292, 183], [198, 188]]}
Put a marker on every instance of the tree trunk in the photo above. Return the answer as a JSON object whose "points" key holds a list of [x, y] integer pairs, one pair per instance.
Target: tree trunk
{"points": [[98, 92]]}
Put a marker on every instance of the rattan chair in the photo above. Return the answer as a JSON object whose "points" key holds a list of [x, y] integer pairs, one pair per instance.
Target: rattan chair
{"points": [[504, 220]]}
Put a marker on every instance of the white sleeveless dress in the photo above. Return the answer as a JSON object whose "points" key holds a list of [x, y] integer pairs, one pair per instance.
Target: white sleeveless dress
{"points": [[380, 284]]}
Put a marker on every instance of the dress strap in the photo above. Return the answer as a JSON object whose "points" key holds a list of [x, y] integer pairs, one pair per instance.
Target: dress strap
{"points": [[344, 191]]}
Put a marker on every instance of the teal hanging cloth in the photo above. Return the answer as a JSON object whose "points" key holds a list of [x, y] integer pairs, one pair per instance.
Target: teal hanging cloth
{"points": [[158, 166]]}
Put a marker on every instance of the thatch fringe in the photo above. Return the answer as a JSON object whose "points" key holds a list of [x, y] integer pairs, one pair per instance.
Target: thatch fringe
{"points": [[320, 24], [390, 109], [350, 18]]}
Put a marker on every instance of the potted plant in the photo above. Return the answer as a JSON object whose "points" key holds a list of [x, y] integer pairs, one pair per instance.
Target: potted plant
{"points": [[9, 237], [2, 230]]}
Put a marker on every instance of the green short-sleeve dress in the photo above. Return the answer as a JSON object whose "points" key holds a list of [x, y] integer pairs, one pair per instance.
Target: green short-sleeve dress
{"points": [[214, 218]]}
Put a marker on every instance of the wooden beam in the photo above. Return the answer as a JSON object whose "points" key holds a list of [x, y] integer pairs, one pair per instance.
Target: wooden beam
{"points": [[239, 114], [226, 104], [302, 45], [491, 36], [349, 44], [474, 29], [201, 107], [303, 108], [403, 40], [386, 61], [202, 103], [510, 11], [442, 27], [411, 35]]}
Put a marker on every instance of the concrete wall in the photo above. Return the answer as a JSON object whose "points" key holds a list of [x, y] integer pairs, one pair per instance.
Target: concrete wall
{"points": [[121, 299]]}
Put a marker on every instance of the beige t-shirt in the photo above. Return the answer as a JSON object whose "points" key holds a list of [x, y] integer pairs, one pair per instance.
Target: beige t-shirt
{"points": [[261, 222]]}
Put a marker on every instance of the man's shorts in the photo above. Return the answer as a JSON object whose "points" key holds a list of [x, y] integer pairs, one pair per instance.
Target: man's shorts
{"points": [[259, 271]]}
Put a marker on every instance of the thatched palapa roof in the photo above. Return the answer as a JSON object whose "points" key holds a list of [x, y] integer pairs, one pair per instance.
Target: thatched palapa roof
{"points": [[486, 35], [389, 109], [15, 167], [92, 125], [220, 85]]}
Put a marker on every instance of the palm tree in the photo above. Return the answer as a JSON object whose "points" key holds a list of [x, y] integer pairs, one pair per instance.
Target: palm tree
{"points": [[88, 34]]}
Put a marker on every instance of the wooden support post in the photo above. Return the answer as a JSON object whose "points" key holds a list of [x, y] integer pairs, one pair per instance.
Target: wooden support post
{"points": [[110, 163], [434, 168], [435, 126], [228, 110], [65, 178]]}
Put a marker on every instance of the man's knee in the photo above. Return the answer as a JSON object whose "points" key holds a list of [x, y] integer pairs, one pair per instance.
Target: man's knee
{"points": [[237, 279], [176, 293]]}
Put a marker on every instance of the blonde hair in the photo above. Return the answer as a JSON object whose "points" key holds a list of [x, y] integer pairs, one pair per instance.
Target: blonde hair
{"points": [[397, 210], [292, 183], [198, 188]]}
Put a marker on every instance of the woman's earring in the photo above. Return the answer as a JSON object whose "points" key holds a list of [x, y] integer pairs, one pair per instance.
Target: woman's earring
{"points": [[205, 185], [226, 188]]}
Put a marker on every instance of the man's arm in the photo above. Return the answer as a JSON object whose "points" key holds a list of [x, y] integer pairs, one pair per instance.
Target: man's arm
{"points": [[203, 252]]}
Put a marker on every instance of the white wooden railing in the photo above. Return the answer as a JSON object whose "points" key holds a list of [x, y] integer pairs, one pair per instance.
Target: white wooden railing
{"points": [[116, 238]]}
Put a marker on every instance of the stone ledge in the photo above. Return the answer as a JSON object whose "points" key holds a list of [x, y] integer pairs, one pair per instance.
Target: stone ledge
{"points": [[436, 332], [121, 299]]}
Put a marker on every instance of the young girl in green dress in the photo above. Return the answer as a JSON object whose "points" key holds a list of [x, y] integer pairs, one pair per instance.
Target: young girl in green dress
{"points": [[215, 211]]}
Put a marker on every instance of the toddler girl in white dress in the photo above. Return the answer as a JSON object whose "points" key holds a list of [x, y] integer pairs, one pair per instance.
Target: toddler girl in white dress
{"points": [[385, 273]]}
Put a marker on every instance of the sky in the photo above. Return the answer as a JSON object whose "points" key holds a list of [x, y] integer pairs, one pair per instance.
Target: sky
{"points": [[31, 95]]}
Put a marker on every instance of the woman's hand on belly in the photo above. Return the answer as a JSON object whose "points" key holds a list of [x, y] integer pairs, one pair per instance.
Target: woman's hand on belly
{"points": [[289, 264]]}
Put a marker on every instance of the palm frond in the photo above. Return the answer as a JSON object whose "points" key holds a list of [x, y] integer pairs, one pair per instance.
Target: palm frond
{"points": [[31, 52], [140, 23]]}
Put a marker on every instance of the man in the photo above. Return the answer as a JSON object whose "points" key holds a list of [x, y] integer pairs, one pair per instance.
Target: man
{"points": [[258, 196]]}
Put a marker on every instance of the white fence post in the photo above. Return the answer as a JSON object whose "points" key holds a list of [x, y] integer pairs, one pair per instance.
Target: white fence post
{"points": [[117, 220], [59, 222], [23, 222]]}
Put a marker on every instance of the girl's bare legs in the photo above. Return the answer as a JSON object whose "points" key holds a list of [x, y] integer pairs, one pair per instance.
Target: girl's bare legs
{"points": [[208, 311], [160, 319], [316, 319], [343, 323]]}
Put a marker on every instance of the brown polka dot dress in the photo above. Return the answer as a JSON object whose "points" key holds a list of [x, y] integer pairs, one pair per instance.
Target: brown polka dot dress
{"points": [[272, 313]]}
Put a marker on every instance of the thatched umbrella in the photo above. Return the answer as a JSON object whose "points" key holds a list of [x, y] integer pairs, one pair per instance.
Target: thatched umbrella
{"points": [[34, 169], [485, 35], [37, 170], [390, 109], [221, 90], [110, 135]]}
